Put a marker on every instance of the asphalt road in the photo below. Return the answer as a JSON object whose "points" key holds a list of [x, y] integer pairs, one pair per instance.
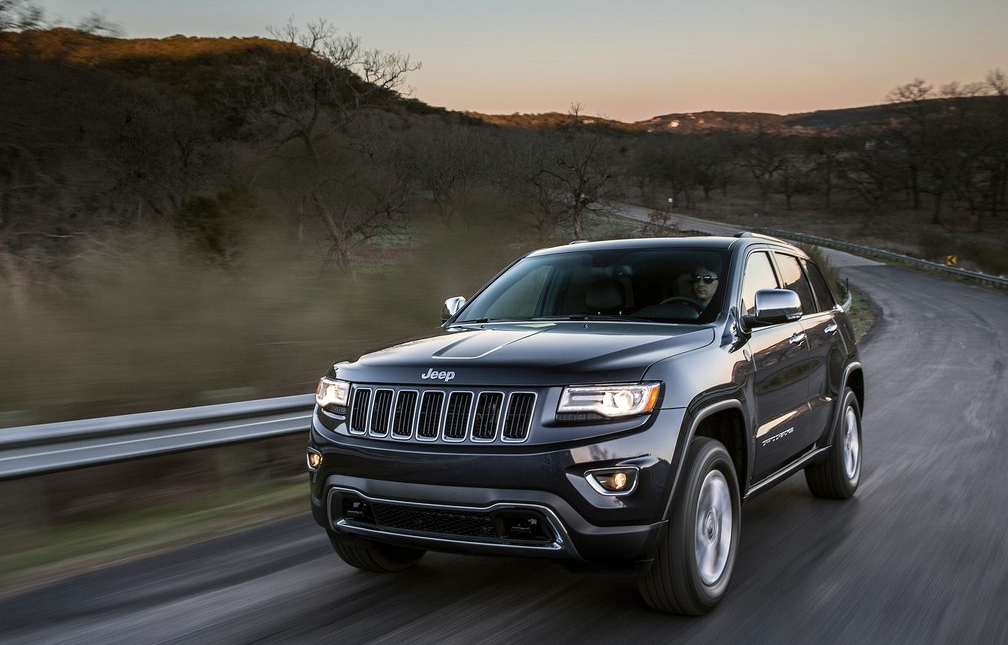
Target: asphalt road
{"points": [[920, 555]]}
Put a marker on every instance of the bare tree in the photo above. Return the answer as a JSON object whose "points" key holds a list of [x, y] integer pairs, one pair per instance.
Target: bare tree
{"points": [[572, 171], [446, 159], [304, 99], [824, 153], [792, 178], [99, 24], [763, 154], [914, 102], [871, 173], [318, 83], [952, 142], [19, 15]]}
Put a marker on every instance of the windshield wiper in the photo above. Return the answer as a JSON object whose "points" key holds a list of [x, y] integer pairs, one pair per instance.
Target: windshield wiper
{"points": [[598, 317], [482, 321]]}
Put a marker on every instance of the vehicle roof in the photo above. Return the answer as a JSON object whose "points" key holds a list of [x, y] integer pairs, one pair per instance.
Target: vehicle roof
{"points": [[694, 242]]}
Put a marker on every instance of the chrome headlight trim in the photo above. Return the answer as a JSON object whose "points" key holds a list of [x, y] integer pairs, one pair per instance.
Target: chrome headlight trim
{"points": [[611, 400]]}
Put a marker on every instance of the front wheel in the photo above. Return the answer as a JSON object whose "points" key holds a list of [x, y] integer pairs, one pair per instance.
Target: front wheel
{"points": [[376, 557], [838, 475], [696, 555]]}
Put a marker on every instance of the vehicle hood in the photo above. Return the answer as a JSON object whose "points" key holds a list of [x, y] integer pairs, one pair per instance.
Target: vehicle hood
{"points": [[528, 354]]}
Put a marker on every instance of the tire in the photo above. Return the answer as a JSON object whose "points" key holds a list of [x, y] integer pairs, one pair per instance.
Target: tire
{"points": [[378, 558], [696, 554], [838, 475]]}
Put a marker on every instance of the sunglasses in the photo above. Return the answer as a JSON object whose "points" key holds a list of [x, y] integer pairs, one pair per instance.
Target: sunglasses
{"points": [[706, 279]]}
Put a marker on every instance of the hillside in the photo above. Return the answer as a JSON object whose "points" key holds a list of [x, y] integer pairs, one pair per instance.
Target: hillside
{"points": [[821, 120], [711, 121], [202, 67]]}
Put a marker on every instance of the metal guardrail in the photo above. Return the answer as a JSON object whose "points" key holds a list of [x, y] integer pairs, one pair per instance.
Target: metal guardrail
{"points": [[51, 447], [870, 252]]}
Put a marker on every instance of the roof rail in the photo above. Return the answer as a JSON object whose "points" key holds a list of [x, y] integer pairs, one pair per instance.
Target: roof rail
{"points": [[760, 236]]}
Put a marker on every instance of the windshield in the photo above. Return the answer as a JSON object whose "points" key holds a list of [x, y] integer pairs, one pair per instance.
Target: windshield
{"points": [[661, 285]]}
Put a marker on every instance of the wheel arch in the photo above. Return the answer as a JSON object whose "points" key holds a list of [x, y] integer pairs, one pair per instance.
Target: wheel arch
{"points": [[723, 421], [728, 427], [855, 380]]}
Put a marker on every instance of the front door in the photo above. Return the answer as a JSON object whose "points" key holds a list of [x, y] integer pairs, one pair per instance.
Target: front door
{"points": [[782, 364]]}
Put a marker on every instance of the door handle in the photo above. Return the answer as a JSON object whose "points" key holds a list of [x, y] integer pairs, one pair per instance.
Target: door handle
{"points": [[831, 328], [797, 339]]}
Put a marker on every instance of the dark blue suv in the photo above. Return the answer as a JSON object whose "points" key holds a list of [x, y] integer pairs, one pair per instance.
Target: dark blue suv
{"points": [[606, 404]]}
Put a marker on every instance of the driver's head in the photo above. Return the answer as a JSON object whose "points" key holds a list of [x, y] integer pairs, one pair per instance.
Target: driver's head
{"points": [[705, 282]]}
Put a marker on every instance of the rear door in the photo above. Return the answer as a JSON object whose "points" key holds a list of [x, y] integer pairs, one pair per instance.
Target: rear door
{"points": [[821, 339], [830, 337]]}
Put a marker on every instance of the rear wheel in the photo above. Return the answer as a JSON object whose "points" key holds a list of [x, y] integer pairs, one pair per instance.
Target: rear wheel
{"points": [[695, 557], [838, 475], [381, 558]]}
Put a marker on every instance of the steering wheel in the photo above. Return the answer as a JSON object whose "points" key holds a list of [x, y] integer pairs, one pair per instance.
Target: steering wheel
{"points": [[696, 304]]}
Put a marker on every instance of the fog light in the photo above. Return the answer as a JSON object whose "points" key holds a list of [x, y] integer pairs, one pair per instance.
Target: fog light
{"points": [[615, 481], [314, 459]]}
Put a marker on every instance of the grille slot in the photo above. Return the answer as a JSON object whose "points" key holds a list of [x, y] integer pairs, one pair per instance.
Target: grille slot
{"points": [[453, 416], [457, 416], [381, 413], [487, 416], [430, 415], [519, 416], [402, 418], [359, 414]]}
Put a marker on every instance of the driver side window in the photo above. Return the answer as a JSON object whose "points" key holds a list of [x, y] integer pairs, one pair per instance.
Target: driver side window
{"points": [[759, 274]]}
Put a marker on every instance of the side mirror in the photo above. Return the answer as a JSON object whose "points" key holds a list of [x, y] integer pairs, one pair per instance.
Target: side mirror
{"points": [[451, 307], [774, 306]]}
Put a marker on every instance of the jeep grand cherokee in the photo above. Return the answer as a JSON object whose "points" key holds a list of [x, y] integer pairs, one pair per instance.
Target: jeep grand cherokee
{"points": [[606, 403]]}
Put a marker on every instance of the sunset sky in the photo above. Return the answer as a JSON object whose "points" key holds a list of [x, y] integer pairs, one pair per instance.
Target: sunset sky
{"points": [[627, 60]]}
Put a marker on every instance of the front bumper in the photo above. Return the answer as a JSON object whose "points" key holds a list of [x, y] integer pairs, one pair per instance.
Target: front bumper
{"points": [[517, 500]]}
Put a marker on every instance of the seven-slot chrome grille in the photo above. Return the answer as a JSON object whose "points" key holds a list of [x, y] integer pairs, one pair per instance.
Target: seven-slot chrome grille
{"points": [[443, 415]]}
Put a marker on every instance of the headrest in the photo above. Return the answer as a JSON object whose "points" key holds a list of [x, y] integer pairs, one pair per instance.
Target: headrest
{"points": [[604, 295]]}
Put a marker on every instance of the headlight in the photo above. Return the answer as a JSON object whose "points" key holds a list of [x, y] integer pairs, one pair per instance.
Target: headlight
{"points": [[616, 400], [332, 393]]}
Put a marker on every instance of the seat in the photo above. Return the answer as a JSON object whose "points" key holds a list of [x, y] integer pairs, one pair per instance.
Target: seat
{"points": [[605, 297]]}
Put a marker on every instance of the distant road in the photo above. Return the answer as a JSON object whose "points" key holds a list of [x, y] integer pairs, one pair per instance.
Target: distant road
{"points": [[920, 555], [682, 221]]}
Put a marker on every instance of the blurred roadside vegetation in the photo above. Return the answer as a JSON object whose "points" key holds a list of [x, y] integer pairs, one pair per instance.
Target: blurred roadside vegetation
{"points": [[143, 325]]}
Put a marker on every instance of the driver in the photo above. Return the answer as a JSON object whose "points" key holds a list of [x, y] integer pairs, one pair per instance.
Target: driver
{"points": [[705, 282]]}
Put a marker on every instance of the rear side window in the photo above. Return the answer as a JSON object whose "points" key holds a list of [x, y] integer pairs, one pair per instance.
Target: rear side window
{"points": [[824, 295], [795, 280], [759, 274]]}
